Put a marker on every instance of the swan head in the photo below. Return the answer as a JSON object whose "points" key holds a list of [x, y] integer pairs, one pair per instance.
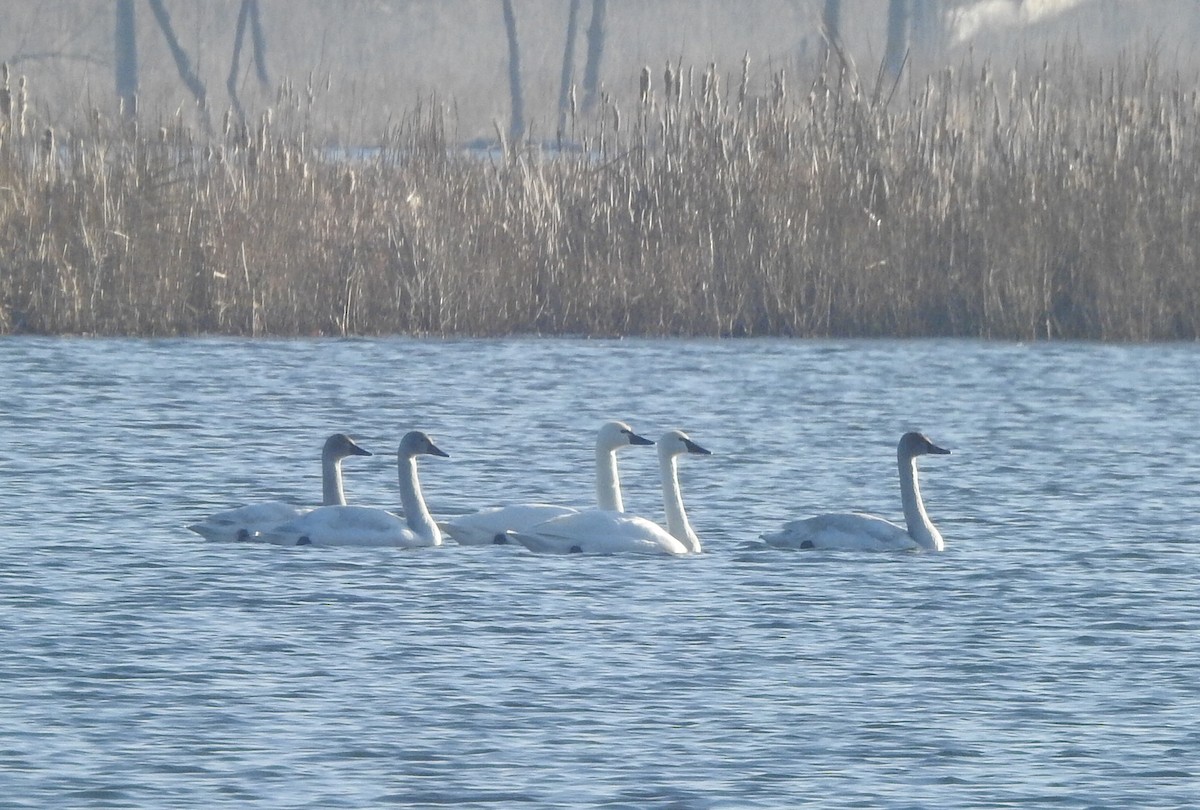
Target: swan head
{"points": [[339, 445], [417, 443], [915, 444], [676, 443], [615, 435]]}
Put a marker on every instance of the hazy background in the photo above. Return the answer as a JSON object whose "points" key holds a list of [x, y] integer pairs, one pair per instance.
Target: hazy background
{"points": [[371, 59]]}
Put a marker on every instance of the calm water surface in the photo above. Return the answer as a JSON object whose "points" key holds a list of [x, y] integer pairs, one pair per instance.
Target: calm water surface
{"points": [[1047, 658]]}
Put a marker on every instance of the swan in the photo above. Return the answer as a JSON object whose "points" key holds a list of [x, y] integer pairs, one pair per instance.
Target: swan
{"points": [[490, 526], [367, 526], [606, 531], [244, 522], [858, 532]]}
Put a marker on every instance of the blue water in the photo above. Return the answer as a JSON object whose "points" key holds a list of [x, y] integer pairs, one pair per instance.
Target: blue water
{"points": [[1047, 658]]}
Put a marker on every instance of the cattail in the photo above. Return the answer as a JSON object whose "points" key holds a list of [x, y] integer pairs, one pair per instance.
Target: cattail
{"points": [[22, 102], [645, 84], [745, 79], [669, 82]]}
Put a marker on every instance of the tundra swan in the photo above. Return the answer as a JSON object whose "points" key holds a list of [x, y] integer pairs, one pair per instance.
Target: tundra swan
{"points": [[244, 522], [367, 526], [489, 526], [858, 532], [606, 531]]}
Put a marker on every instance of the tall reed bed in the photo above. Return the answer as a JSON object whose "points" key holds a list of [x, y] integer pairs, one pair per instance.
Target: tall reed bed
{"points": [[1057, 200]]}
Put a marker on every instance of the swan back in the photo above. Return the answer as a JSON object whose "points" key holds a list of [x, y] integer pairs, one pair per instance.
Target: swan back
{"points": [[599, 531]]}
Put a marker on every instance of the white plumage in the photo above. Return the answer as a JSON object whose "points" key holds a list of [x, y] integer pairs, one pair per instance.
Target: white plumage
{"points": [[491, 526], [854, 531], [246, 522], [600, 531], [367, 526]]}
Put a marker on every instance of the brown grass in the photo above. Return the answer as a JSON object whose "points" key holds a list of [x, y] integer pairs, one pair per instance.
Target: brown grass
{"points": [[1057, 200]]}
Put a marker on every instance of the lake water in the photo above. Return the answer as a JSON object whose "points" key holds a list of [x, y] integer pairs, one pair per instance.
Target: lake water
{"points": [[1047, 658]]}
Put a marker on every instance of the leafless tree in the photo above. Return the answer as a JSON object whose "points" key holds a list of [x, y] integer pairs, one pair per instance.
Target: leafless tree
{"points": [[568, 67], [896, 51], [516, 128], [831, 24], [126, 61], [249, 12], [182, 63], [595, 41]]}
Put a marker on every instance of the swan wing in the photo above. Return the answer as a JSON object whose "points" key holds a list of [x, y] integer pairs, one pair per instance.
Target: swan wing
{"points": [[850, 531], [491, 526], [598, 531], [246, 522], [361, 526]]}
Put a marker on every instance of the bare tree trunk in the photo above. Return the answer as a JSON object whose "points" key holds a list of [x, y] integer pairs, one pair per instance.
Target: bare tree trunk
{"points": [[249, 11], [831, 25], [516, 128], [595, 39], [897, 37], [126, 52], [927, 27], [568, 68], [260, 44], [182, 63], [235, 63]]}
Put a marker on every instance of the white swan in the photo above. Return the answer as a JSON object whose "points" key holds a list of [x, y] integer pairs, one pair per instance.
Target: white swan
{"points": [[366, 526], [858, 532], [600, 531], [245, 522], [491, 526]]}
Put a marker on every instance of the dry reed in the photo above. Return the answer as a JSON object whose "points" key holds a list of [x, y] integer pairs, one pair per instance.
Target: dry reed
{"points": [[1057, 200]]}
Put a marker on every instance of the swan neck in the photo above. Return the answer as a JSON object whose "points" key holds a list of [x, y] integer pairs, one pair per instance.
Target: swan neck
{"points": [[608, 483], [920, 527], [332, 493], [677, 522], [416, 515]]}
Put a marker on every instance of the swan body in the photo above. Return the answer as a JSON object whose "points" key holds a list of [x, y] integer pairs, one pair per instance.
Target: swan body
{"points": [[491, 526], [853, 531], [606, 531], [246, 522], [365, 526]]}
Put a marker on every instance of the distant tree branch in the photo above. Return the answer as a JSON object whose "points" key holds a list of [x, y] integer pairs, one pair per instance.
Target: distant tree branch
{"points": [[516, 128], [182, 63], [125, 37]]}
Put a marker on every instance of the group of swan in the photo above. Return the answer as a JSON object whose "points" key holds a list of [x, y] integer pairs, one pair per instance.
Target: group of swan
{"points": [[488, 526], [546, 528], [342, 525], [247, 522]]}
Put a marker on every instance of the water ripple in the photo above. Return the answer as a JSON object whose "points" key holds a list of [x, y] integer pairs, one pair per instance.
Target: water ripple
{"points": [[1044, 658]]}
